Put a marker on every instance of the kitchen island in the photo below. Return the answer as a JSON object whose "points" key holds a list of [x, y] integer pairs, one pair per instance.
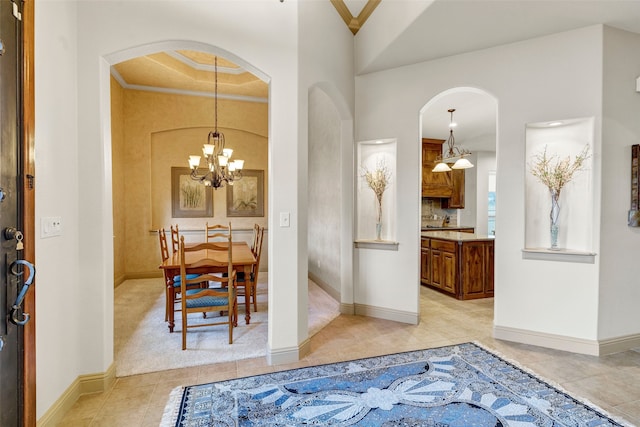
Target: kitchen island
{"points": [[458, 264]]}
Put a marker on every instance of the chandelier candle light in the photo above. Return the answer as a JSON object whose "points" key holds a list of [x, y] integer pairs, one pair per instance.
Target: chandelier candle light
{"points": [[555, 173], [454, 155], [220, 168]]}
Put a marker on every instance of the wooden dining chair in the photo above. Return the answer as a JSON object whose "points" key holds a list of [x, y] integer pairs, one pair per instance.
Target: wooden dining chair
{"points": [[171, 284], [175, 238], [216, 231], [220, 299], [248, 286], [254, 244]]}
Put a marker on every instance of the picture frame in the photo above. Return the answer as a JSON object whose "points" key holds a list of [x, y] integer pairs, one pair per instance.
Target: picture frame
{"points": [[246, 196], [189, 198]]}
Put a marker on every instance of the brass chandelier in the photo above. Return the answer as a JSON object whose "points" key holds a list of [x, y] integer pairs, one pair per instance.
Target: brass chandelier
{"points": [[220, 168], [454, 156]]}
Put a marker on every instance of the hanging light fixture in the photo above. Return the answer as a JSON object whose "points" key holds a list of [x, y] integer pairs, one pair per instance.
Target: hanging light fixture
{"points": [[220, 168], [454, 155]]}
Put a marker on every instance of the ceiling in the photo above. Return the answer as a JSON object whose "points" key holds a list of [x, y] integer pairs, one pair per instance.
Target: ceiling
{"points": [[445, 28]]}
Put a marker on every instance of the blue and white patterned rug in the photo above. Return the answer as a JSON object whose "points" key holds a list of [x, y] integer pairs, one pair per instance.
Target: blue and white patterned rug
{"points": [[456, 386]]}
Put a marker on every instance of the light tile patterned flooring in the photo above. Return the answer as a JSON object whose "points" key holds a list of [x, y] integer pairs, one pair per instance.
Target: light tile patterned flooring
{"points": [[611, 382]]}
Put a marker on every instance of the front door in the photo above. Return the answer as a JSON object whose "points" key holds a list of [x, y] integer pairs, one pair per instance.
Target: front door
{"points": [[11, 334]]}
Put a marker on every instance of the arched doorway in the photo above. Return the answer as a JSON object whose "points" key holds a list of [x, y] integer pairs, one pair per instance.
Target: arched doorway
{"points": [[475, 120], [174, 110]]}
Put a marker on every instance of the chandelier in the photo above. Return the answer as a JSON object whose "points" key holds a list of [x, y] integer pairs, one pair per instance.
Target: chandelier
{"points": [[454, 155], [220, 168]]}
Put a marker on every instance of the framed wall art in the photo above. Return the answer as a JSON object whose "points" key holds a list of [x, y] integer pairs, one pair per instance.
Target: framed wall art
{"points": [[246, 196], [189, 198]]}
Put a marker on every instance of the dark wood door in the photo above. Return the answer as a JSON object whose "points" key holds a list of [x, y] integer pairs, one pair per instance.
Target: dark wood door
{"points": [[11, 335]]}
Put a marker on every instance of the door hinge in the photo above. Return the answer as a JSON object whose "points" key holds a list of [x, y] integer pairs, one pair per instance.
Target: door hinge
{"points": [[16, 11]]}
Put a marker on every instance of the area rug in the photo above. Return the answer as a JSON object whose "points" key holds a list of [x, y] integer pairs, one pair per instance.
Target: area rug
{"points": [[143, 343], [463, 385]]}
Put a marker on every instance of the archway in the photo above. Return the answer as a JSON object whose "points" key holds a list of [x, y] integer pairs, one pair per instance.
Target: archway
{"points": [[476, 131], [147, 223]]}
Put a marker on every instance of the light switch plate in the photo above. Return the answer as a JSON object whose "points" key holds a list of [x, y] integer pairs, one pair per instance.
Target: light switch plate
{"points": [[285, 219]]}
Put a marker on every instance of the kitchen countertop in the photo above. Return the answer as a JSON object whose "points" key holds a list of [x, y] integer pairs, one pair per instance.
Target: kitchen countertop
{"points": [[456, 236], [446, 228]]}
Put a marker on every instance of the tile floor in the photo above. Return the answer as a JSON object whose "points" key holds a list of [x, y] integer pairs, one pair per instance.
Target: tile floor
{"points": [[611, 382]]}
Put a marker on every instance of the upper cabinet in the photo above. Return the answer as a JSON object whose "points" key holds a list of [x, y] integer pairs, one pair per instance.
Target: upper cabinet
{"points": [[456, 201], [448, 186], [436, 184]]}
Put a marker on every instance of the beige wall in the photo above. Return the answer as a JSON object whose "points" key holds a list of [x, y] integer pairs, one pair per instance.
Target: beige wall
{"points": [[160, 131], [117, 153]]}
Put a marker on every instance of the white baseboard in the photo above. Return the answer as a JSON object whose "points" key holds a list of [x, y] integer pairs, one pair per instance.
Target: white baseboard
{"points": [[84, 384], [387, 313], [289, 355], [564, 343], [349, 309], [325, 286], [619, 344]]}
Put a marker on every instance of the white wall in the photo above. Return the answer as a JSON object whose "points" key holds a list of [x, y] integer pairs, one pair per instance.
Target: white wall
{"points": [[76, 41], [326, 63], [325, 191], [620, 270], [61, 315], [535, 80]]}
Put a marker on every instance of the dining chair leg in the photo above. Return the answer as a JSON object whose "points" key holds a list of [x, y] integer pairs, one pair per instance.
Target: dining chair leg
{"points": [[254, 295], [166, 303]]}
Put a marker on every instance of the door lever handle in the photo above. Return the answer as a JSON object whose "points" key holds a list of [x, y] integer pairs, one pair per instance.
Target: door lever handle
{"points": [[17, 316]]}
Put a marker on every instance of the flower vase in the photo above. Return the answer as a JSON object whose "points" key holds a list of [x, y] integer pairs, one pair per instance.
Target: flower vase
{"points": [[379, 220], [553, 217]]}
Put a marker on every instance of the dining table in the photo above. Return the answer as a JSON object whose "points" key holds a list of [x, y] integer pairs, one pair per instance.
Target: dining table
{"points": [[242, 258]]}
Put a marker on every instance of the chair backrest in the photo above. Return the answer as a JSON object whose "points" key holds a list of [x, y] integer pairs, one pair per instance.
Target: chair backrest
{"points": [[257, 246], [258, 250], [213, 261], [216, 232], [164, 249], [254, 243], [175, 239]]}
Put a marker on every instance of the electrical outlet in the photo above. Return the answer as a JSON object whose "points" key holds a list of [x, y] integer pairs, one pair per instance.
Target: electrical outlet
{"points": [[50, 226]]}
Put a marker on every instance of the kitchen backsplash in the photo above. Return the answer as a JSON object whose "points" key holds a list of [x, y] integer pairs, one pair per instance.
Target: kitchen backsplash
{"points": [[433, 213]]}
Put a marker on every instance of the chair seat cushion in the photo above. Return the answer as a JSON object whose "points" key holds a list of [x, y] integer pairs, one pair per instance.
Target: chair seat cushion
{"points": [[206, 300], [178, 279]]}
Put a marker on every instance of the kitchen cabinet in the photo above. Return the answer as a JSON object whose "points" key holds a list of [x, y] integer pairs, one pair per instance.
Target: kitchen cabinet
{"points": [[434, 184], [477, 270], [458, 264], [425, 265], [456, 201], [448, 186], [443, 265]]}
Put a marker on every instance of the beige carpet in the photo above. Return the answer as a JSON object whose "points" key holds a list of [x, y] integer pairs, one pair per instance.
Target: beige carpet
{"points": [[143, 342]]}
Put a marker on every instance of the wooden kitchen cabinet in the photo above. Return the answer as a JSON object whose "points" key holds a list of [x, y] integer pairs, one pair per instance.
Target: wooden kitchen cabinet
{"points": [[477, 270], [462, 268], [425, 261], [443, 265], [434, 184], [456, 201], [448, 186]]}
